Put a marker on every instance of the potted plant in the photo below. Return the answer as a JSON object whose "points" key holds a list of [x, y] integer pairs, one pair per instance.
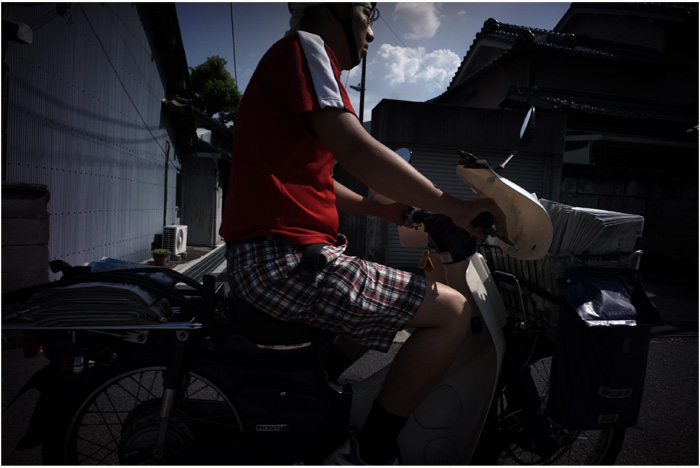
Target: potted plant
{"points": [[160, 256]]}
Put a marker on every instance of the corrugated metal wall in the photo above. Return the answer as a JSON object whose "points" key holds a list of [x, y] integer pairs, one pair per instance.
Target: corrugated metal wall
{"points": [[202, 209], [84, 118]]}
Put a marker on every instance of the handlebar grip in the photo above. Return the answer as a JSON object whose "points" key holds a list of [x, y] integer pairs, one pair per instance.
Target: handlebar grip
{"points": [[484, 220], [420, 216]]}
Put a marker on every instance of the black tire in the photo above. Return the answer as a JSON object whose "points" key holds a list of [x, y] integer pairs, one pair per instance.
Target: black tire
{"points": [[549, 444], [116, 422]]}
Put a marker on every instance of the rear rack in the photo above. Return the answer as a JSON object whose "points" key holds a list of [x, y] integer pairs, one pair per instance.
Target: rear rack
{"points": [[27, 326], [157, 304]]}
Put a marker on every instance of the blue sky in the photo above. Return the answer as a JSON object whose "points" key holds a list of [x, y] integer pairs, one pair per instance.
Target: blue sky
{"points": [[417, 48]]}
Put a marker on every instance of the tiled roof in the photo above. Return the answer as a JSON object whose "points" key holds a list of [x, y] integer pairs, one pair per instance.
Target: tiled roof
{"points": [[501, 32], [522, 37]]}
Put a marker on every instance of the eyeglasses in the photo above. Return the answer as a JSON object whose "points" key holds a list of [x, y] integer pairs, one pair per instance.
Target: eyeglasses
{"points": [[373, 13], [373, 16]]}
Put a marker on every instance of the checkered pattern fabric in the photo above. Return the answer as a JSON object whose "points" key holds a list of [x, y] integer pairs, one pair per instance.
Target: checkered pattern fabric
{"points": [[364, 301]]}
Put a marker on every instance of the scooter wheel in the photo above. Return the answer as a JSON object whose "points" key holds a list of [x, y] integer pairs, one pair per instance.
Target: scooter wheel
{"points": [[520, 433]]}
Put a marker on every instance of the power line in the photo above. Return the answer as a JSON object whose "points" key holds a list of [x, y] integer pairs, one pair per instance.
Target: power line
{"points": [[119, 78], [233, 40]]}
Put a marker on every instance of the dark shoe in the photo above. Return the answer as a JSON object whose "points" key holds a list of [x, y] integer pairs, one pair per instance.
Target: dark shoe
{"points": [[349, 454]]}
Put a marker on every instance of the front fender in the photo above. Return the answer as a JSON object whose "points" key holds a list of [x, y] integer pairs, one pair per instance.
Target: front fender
{"points": [[447, 425]]}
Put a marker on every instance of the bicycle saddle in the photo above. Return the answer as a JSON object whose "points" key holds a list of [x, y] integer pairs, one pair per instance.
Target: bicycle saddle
{"points": [[264, 329]]}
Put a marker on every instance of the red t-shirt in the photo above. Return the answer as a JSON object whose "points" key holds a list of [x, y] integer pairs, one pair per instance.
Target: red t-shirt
{"points": [[281, 171]]}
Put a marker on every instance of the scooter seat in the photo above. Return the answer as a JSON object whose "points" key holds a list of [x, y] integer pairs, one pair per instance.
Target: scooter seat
{"points": [[264, 329]]}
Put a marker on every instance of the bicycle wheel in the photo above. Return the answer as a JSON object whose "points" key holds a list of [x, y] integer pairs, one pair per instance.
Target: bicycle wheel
{"points": [[528, 437], [118, 423]]}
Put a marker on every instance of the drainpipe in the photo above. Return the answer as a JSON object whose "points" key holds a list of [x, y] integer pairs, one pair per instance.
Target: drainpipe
{"points": [[165, 185]]}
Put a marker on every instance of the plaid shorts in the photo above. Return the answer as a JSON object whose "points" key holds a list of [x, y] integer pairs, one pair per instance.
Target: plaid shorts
{"points": [[364, 301]]}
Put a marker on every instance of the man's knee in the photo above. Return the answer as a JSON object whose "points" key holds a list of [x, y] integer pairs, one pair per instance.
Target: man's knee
{"points": [[444, 307]]}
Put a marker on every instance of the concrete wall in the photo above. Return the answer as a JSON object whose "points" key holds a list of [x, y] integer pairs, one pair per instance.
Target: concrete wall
{"points": [[25, 235]]}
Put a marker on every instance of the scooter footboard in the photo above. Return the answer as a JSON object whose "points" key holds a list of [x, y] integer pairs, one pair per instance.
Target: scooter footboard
{"points": [[445, 428]]}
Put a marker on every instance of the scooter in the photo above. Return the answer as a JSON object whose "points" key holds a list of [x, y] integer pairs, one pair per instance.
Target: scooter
{"points": [[209, 381]]}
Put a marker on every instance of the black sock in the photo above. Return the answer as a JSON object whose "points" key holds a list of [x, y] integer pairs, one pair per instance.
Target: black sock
{"points": [[377, 438], [336, 363]]}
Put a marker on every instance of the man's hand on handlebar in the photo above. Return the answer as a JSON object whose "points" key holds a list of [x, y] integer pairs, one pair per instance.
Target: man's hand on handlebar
{"points": [[479, 217]]}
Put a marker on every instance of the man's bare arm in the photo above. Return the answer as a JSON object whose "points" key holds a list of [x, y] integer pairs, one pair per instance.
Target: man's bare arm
{"points": [[381, 169], [352, 202]]}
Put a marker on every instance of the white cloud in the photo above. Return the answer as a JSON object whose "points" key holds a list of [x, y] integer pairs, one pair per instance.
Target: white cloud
{"points": [[422, 18], [403, 65], [410, 74]]}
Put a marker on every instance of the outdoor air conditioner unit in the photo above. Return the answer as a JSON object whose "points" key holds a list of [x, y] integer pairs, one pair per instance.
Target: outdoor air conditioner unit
{"points": [[175, 239]]}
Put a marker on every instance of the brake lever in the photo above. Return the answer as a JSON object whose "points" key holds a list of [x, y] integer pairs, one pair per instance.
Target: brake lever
{"points": [[485, 221], [504, 239]]}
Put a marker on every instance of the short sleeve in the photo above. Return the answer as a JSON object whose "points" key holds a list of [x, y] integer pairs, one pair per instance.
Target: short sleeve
{"points": [[304, 75]]}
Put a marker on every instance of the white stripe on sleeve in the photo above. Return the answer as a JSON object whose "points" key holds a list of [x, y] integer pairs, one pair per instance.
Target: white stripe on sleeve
{"points": [[325, 84]]}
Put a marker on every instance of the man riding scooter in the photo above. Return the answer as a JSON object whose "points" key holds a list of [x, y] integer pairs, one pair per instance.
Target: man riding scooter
{"points": [[294, 123]]}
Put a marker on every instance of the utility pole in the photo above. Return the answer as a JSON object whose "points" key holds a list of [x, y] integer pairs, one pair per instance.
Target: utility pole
{"points": [[361, 89]]}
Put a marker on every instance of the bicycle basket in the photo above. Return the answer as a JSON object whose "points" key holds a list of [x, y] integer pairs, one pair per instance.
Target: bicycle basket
{"points": [[518, 281]]}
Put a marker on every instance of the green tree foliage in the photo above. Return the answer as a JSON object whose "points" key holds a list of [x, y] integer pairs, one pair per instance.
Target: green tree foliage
{"points": [[215, 91]]}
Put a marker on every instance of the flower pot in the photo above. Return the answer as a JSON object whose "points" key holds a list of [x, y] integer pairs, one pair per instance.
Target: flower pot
{"points": [[160, 260]]}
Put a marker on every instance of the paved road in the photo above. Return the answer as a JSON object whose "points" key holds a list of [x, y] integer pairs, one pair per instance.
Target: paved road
{"points": [[667, 429]]}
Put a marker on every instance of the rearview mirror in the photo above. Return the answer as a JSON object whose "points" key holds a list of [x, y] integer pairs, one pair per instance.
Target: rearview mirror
{"points": [[405, 153], [528, 126], [526, 130]]}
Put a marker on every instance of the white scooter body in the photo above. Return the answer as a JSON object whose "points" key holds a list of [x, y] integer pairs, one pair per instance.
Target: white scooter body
{"points": [[445, 428]]}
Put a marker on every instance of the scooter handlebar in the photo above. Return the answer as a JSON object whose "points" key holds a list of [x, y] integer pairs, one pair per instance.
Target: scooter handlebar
{"points": [[415, 218], [484, 220]]}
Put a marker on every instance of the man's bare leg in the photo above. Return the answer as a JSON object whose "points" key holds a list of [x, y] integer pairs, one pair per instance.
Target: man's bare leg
{"points": [[442, 322]]}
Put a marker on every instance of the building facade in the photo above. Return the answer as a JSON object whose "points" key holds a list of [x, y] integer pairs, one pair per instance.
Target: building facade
{"points": [[83, 115]]}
